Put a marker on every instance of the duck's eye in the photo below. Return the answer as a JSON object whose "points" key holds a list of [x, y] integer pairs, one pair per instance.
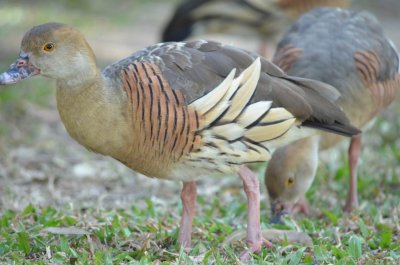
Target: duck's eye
{"points": [[48, 47], [289, 182]]}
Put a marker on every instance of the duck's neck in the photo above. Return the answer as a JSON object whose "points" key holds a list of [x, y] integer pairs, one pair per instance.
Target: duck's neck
{"points": [[84, 74], [90, 109]]}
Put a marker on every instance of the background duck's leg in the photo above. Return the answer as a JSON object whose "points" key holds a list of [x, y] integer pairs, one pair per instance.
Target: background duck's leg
{"points": [[266, 49], [188, 197], [354, 153], [301, 206], [251, 187]]}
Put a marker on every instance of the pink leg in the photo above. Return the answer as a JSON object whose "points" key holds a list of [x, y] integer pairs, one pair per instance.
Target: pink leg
{"points": [[354, 153], [188, 197], [251, 187], [266, 50], [301, 206]]}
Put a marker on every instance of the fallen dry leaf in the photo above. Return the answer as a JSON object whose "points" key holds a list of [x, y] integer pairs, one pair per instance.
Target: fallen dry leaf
{"points": [[66, 230], [275, 235]]}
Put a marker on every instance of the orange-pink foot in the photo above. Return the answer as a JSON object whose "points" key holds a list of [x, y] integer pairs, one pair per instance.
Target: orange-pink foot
{"points": [[301, 206], [255, 247]]}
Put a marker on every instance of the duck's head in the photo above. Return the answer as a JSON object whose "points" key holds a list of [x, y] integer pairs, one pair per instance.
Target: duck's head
{"points": [[53, 50], [287, 180], [283, 190]]}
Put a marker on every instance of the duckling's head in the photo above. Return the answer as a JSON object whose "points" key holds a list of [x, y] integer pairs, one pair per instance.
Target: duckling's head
{"points": [[53, 50]]}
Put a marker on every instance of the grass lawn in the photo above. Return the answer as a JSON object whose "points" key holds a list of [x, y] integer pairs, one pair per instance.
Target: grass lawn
{"points": [[148, 234]]}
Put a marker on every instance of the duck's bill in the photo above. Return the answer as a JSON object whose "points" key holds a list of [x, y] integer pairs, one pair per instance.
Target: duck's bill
{"points": [[278, 210], [18, 71]]}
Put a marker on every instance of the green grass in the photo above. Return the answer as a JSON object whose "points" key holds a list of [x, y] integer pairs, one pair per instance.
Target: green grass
{"points": [[148, 234]]}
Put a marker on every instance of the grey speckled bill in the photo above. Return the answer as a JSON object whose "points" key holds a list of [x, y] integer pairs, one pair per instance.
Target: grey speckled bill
{"points": [[18, 71]]}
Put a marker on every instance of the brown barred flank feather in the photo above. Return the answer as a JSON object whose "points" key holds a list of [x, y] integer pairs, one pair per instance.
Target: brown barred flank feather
{"points": [[160, 121], [383, 92], [286, 56]]}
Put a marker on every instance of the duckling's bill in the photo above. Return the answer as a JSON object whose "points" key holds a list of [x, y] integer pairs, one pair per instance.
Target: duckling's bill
{"points": [[19, 70]]}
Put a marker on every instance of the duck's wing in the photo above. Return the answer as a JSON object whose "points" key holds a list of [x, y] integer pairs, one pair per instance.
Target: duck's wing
{"points": [[195, 68], [204, 101]]}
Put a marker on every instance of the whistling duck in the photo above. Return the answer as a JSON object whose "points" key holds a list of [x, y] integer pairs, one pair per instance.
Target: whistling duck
{"points": [[266, 19], [348, 50], [179, 110]]}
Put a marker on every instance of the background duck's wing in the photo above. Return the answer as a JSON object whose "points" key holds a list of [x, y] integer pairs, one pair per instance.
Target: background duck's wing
{"points": [[368, 60]]}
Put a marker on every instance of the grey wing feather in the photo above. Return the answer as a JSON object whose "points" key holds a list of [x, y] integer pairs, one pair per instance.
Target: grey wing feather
{"points": [[197, 67], [359, 31]]}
